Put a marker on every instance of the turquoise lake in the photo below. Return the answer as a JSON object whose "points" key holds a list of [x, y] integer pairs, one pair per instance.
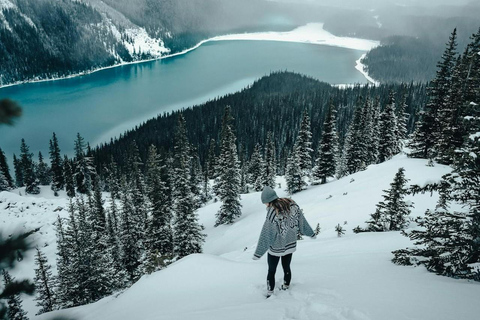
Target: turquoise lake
{"points": [[104, 104]]}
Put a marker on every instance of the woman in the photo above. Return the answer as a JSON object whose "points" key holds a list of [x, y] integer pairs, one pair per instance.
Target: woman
{"points": [[279, 234]]}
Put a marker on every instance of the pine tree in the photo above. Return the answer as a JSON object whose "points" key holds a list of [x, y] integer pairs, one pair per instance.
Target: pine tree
{"points": [[354, 149], [4, 170], [196, 178], [326, 162], [4, 186], [187, 237], [14, 302], [101, 260], [270, 169], [42, 171], [228, 181], [426, 135], [392, 213], [45, 284], [402, 123], [388, 145], [58, 180], [211, 163], [136, 181], [83, 167], [18, 172], [159, 240], [256, 169], [128, 237], [293, 175], [68, 177], [28, 169], [304, 146]]}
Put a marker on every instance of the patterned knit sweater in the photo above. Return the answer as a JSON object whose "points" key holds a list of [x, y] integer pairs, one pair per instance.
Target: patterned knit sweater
{"points": [[280, 231]]}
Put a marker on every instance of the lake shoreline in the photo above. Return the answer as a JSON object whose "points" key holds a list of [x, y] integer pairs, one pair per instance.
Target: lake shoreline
{"points": [[312, 33]]}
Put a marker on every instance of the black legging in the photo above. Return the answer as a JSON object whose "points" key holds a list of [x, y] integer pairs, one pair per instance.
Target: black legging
{"points": [[272, 268]]}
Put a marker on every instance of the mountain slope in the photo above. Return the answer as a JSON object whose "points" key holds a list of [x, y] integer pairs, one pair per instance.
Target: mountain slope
{"points": [[350, 277]]}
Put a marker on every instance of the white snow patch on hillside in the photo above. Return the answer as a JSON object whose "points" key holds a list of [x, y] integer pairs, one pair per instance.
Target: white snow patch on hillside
{"points": [[310, 33], [347, 278], [143, 43], [6, 4]]}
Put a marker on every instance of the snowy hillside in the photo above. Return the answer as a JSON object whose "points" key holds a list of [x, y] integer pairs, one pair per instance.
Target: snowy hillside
{"points": [[350, 277]]}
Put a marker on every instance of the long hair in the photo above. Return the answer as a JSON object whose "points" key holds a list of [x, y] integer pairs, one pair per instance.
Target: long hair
{"points": [[282, 205]]}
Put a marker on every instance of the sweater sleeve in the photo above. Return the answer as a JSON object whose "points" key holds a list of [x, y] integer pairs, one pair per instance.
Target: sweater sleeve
{"points": [[267, 237], [304, 227]]}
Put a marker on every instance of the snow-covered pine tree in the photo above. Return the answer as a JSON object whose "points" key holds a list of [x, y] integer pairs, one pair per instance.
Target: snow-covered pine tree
{"points": [[187, 237], [388, 145], [211, 160], [159, 236], [449, 243], [450, 137], [293, 175], [128, 235], [256, 168], [101, 260], [5, 170], [14, 302], [65, 269], [355, 150], [402, 121], [373, 130], [68, 177], [42, 171], [228, 181], [28, 169], [137, 189], [304, 146], [196, 178], [270, 169], [83, 167], [17, 167], [4, 186], [326, 162], [392, 213], [45, 284], [425, 137], [58, 180]]}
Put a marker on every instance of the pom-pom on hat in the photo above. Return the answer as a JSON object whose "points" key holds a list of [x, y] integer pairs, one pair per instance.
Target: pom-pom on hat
{"points": [[268, 195]]}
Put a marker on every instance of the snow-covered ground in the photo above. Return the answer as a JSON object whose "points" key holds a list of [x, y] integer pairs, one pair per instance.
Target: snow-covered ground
{"points": [[350, 277]]}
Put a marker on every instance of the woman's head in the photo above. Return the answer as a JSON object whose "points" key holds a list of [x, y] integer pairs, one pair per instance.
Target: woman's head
{"points": [[268, 195], [271, 199]]}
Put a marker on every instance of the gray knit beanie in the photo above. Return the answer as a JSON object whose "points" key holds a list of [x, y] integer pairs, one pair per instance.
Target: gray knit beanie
{"points": [[268, 194]]}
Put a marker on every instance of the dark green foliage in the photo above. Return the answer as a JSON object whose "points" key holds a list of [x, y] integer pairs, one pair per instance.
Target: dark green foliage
{"points": [[6, 181], [58, 180], [187, 237], [42, 171], [428, 133], [45, 284], [326, 162], [27, 166], [68, 177], [274, 103], [392, 213], [227, 184]]}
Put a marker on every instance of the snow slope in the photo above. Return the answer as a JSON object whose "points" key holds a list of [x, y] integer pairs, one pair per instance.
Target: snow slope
{"points": [[350, 277]]}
